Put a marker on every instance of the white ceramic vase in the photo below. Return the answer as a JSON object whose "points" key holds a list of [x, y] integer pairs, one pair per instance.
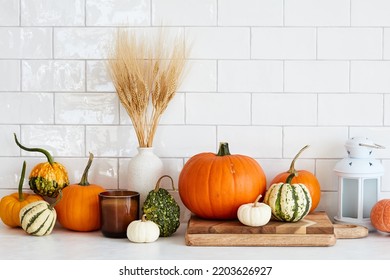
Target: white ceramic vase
{"points": [[144, 170]]}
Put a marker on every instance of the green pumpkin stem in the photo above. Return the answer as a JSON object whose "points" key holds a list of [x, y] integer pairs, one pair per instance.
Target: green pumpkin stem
{"points": [[157, 187], [292, 166], [223, 149], [58, 199], [39, 150], [290, 177], [84, 178], [20, 188]]}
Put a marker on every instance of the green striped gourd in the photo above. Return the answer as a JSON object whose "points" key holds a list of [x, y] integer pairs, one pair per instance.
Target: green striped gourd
{"points": [[288, 202], [39, 217]]}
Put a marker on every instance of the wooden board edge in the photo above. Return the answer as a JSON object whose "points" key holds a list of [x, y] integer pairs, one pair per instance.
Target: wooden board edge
{"points": [[260, 240], [348, 231]]}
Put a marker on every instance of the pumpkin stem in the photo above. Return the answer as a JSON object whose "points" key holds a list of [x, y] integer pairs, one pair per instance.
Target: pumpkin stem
{"points": [[143, 218], [84, 178], [59, 197], [292, 166], [223, 149], [39, 150], [257, 200], [290, 177], [157, 187], [20, 188]]}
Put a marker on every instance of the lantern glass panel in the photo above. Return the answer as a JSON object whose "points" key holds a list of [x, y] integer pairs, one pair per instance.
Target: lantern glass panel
{"points": [[350, 197], [370, 190]]}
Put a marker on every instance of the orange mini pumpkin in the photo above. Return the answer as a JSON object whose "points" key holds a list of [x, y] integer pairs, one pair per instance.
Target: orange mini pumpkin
{"points": [[380, 215], [213, 186], [302, 177], [10, 205], [79, 208]]}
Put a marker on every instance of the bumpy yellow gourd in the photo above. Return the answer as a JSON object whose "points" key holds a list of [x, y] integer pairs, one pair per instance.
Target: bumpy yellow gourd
{"points": [[46, 178]]}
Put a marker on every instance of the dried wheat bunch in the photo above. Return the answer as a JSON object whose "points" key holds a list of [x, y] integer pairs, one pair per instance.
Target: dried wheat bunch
{"points": [[146, 76]]}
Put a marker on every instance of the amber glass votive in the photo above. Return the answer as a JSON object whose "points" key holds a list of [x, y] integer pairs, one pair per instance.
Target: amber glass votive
{"points": [[118, 208]]}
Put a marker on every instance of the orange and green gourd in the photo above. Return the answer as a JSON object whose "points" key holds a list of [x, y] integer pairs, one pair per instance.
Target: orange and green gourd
{"points": [[46, 178]]}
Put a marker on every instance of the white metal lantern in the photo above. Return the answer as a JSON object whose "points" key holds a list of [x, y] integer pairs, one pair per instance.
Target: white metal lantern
{"points": [[359, 181]]}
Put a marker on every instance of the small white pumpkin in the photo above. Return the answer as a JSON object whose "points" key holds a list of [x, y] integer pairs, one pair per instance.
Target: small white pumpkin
{"points": [[143, 231], [254, 214], [38, 218]]}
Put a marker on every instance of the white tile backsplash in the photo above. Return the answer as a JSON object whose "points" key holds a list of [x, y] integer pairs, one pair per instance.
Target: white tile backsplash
{"points": [[184, 12], [232, 109], [20, 42], [9, 12], [370, 76], [316, 76], [11, 70], [350, 109], [350, 43], [59, 140], [250, 76], [86, 108], [304, 111], [255, 141], [219, 42], [250, 13], [38, 105], [53, 12], [317, 12], [283, 43], [53, 75], [118, 12], [370, 13], [267, 76], [86, 43]]}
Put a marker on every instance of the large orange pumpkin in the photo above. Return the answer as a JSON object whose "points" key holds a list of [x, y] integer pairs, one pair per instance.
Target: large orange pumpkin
{"points": [[10, 205], [302, 177], [380, 215], [214, 186], [79, 209]]}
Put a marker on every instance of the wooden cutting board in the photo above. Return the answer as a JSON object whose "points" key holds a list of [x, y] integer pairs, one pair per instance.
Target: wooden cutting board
{"points": [[315, 229]]}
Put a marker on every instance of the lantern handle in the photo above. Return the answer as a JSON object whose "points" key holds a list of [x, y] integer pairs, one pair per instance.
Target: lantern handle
{"points": [[375, 146]]}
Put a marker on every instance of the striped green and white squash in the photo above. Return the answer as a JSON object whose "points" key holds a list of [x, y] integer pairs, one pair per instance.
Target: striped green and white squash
{"points": [[38, 218], [288, 202]]}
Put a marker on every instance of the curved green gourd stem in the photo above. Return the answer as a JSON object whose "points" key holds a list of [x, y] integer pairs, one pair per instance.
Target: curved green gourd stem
{"points": [[59, 197], [20, 188], [223, 149], [84, 178], [39, 150], [290, 177], [157, 187], [292, 166]]}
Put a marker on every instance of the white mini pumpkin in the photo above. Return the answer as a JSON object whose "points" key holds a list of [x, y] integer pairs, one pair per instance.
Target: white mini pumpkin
{"points": [[143, 231], [254, 214], [38, 218]]}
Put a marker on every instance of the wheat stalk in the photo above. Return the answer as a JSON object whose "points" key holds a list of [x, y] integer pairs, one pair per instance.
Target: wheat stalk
{"points": [[146, 77]]}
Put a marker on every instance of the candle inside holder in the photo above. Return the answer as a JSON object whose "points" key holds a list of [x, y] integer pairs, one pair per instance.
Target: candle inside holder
{"points": [[118, 208]]}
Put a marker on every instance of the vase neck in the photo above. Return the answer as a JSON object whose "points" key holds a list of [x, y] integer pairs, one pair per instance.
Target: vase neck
{"points": [[145, 150]]}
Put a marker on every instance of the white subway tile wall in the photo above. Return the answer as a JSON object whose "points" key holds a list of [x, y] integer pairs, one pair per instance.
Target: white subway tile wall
{"points": [[267, 76]]}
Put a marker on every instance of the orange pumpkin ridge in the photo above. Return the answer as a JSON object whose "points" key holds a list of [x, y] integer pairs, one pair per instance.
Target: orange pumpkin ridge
{"points": [[10, 205], [213, 186], [303, 177], [380, 215]]}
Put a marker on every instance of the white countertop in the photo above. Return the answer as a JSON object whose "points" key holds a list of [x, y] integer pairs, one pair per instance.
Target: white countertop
{"points": [[62, 244]]}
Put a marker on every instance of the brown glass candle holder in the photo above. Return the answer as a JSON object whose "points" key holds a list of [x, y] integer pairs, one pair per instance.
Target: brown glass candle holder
{"points": [[118, 208]]}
